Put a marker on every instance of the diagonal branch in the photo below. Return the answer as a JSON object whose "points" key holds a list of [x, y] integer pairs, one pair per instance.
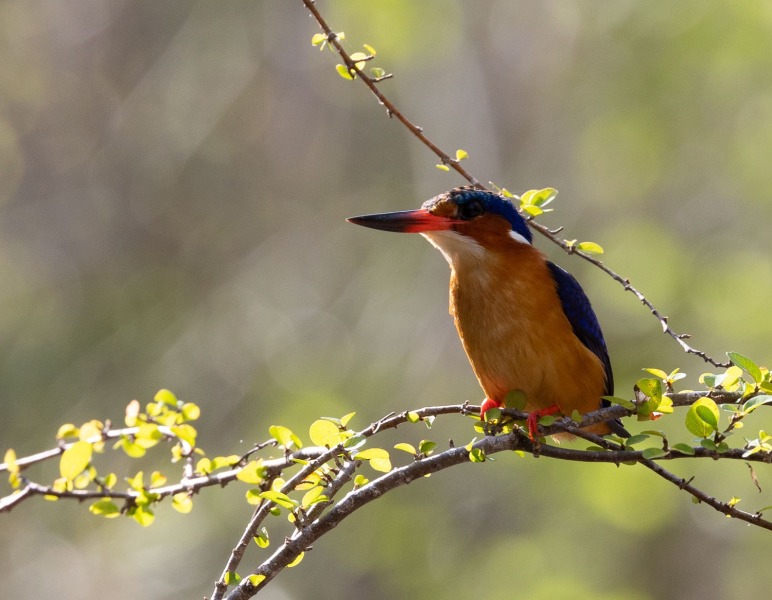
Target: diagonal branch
{"points": [[392, 110]]}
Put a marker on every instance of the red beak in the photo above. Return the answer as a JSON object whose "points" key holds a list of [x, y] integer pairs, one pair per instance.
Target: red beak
{"points": [[405, 221]]}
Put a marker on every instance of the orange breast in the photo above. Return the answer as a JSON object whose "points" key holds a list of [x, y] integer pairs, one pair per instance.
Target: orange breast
{"points": [[514, 331]]}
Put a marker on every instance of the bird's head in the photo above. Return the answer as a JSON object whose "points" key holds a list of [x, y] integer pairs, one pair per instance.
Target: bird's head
{"points": [[463, 223]]}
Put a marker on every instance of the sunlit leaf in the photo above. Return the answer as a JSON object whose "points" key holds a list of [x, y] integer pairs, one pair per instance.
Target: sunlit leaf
{"points": [[589, 248], [279, 498], [75, 459], [262, 539], [657, 373], [166, 397], [747, 364], [297, 560], [253, 497], [324, 433], [182, 502], [105, 508], [702, 409], [344, 420], [143, 515], [405, 448], [318, 38], [284, 436], [344, 72], [426, 447], [442, 167], [461, 154]]}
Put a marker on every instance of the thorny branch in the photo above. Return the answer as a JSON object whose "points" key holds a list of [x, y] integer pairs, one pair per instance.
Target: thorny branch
{"points": [[392, 110]]}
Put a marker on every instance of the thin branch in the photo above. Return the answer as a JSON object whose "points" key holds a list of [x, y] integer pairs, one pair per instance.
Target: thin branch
{"points": [[392, 110], [305, 536]]}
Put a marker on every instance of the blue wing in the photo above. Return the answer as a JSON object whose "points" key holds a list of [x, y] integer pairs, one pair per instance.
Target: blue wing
{"points": [[577, 307]]}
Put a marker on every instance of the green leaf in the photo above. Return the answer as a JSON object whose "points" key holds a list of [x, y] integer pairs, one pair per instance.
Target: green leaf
{"points": [[75, 459], [426, 447], [652, 388], [262, 539], [708, 379], [256, 580], [657, 373], [702, 417], [636, 439], [370, 49], [252, 473], [708, 416], [106, 508], [477, 455], [343, 72], [621, 401], [589, 248], [405, 448], [684, 449], [132, 449], [650, 453], [190, 411], [378, 457], [182, 503], [533, 211], [231, 578], [296, 561], [747, 365], [755, 402], [354, 442], [220, 462], [166, 397], [413, 417], [280, 499], [324, 433], [540, 198], [371, 453], [143, 515], [360, 480], [313, 496], [318, 38], [346, 418], [186, 433], [284, 436], [253, 497], [730, 379]]}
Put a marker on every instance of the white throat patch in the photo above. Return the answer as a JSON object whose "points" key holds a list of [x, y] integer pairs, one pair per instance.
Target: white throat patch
{"points": [[454, 246]]}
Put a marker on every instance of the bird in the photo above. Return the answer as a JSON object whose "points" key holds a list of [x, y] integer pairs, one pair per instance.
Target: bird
{"points": [[526, 324]]}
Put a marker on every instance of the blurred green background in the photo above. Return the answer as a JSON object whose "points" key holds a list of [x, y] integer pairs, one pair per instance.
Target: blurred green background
{"points": [[174, 178]]}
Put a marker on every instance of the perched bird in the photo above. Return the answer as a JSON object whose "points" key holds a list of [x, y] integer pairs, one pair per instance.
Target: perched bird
{"points": [[525, 323]]}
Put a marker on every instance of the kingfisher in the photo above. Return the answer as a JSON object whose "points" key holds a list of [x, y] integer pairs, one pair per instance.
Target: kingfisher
{"points": [[526, 324]]}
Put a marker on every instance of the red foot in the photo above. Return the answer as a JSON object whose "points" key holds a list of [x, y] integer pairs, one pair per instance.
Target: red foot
{"points": [[488, 404], [533, 419]]}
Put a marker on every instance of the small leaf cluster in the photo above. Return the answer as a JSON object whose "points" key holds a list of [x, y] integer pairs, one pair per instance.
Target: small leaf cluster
{"points": [[359, 59], [711, 423]]}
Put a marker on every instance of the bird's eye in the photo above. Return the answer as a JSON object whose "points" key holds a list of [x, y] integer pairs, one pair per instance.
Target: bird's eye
{"points": [[470, 210]]}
